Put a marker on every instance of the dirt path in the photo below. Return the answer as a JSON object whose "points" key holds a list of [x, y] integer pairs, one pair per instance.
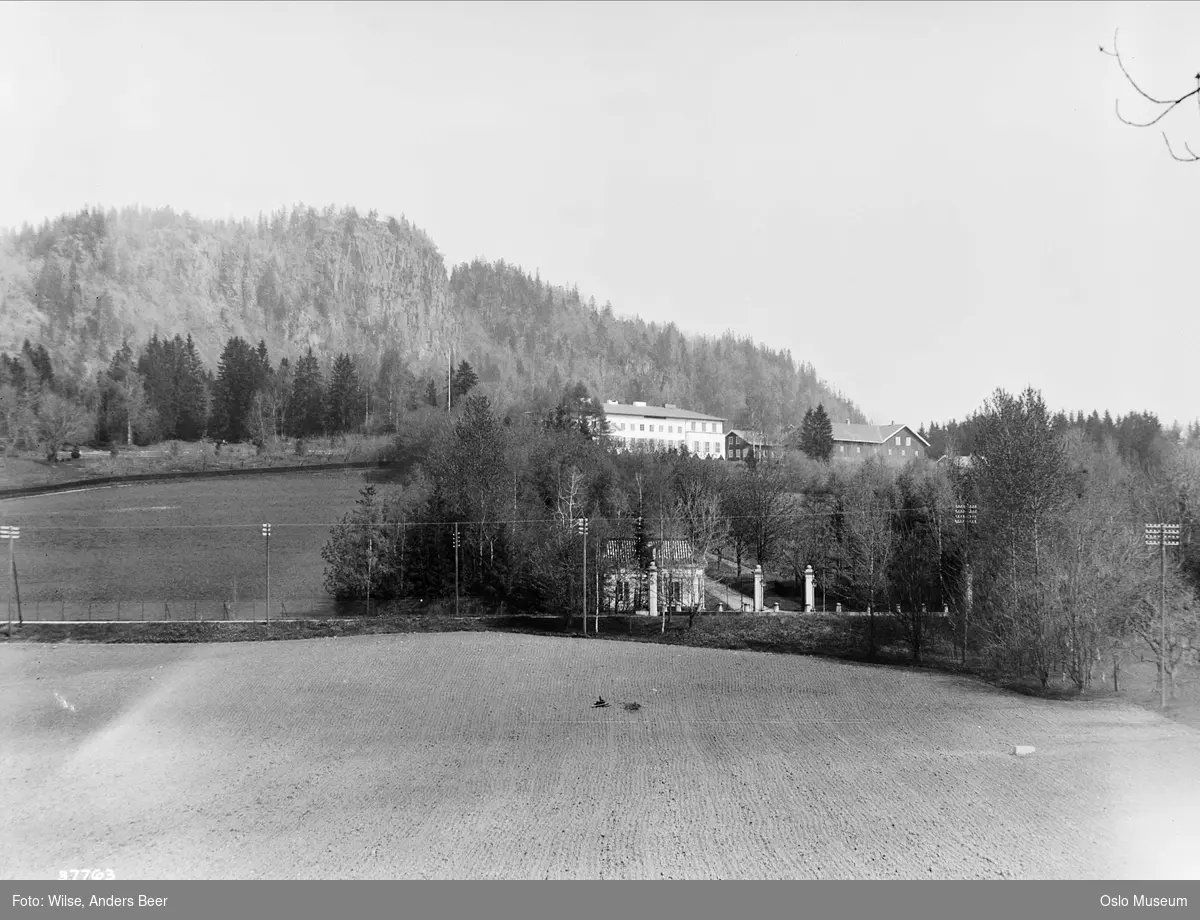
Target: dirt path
{"points": [[730, 597], [480, 755]]}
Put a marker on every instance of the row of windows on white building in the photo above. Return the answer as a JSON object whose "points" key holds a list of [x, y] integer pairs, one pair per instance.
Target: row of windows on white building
{"points": [[697, 447], [638, 435], [670, 429]]}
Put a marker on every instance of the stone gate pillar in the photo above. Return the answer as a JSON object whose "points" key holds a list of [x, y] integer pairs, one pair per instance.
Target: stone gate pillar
{"points": [[758, 589], [653, 576], [810, 603]]}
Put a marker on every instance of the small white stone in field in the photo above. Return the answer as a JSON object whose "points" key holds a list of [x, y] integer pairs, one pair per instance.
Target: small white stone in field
{"points": [[1023, 749]]}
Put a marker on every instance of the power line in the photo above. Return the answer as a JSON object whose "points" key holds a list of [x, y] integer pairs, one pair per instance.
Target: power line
{"points": [[565, 525]]}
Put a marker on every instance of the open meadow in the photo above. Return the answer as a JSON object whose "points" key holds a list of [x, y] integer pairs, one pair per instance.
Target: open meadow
{"points": [[470, 755], [196, 539]]}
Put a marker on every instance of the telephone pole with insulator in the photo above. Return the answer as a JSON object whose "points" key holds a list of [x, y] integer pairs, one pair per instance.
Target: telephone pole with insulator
{"points": [[266, 532], [581, 525], [1162, 536], [12, 534]]}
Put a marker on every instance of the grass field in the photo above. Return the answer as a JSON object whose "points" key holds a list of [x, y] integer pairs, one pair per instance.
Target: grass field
{"points": [[480, 755], [195, 539], [30, 469]]}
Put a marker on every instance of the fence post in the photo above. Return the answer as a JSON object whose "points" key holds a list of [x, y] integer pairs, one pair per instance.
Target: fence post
{"points": [[143, 611], [118, 610]]}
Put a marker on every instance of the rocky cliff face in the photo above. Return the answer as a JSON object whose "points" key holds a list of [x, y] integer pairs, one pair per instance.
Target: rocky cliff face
{"points": [[329, 279]]}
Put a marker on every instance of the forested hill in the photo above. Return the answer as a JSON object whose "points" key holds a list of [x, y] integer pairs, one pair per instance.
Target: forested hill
{"points": [[341, 282]]}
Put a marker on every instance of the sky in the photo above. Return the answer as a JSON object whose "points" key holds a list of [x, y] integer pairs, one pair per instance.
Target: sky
{"points": [[925, 201]]}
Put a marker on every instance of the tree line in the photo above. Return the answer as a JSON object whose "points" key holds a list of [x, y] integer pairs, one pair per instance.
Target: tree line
{"points": [[1047, 573], [1139, 437], [164, 391]]}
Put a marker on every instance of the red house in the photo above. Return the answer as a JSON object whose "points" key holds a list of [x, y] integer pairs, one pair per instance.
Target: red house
{"points": [[894, 444]]}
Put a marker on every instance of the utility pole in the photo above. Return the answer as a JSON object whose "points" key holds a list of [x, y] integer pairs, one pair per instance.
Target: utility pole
{"points": [[966, 515], [1162, 536], [12, 534], [581, 525], [449, 366], [456, 545], [824, 570], [266, 532]]}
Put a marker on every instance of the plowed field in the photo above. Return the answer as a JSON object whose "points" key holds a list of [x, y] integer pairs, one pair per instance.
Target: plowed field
{"points": [[477, 755]]}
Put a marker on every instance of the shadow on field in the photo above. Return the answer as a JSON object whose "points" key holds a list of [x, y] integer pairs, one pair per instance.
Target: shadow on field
{"points": [[831, 636], [826, 635]]}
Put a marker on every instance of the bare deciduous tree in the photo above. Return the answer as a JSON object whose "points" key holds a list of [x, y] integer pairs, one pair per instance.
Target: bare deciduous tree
{"points": [[698, 506], [1182, 626], [765, 508], [1096, 566], [570, 498], [1166, 106], [807, 533], [871, 536], [61, 421], [139, 414], [697, 487]]}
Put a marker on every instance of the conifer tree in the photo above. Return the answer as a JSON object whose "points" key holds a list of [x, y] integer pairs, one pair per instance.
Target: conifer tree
{"points": [[191, 394], [816, 434], [345, 412], [464, 381], [239, 377], [307, 407]]}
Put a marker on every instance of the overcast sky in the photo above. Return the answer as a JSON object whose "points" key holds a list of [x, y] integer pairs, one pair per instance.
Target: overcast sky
{"points": [[925, 201]]}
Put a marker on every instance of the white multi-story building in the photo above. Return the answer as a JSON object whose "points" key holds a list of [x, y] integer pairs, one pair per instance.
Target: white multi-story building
{"points": [[638, 426]]}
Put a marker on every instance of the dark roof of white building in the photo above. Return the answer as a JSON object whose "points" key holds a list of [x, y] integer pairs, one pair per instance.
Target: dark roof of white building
{"points": [[667, 553], [647, 411]]}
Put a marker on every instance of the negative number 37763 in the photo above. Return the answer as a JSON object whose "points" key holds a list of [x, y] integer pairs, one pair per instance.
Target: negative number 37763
{"points": [[78, 874]]}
